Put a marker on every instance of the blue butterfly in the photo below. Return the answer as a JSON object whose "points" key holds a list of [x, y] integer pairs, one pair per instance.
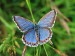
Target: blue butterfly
{"points": [[39, 33]]}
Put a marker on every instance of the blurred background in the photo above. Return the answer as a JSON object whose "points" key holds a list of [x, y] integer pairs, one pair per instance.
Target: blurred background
{"points": [[63, 31]]}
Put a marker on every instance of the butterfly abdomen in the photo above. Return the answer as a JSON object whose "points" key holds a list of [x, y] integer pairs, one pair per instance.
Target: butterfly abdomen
{"points": [[37, 32]]}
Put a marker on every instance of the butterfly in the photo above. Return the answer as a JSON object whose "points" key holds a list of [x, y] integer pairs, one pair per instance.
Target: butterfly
{"points": [[35, 34]]}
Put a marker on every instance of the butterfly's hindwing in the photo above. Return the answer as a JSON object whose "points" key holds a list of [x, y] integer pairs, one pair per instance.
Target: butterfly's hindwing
{"points": [[23, 24], [30, 38], [45, 35]]}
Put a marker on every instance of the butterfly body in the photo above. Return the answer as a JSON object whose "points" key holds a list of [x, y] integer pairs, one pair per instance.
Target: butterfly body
{"points": [[39, 33]]}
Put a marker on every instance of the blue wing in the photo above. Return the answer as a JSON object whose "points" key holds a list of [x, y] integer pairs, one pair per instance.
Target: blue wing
{"points": [[48, 19], [29, 38], [45, 35], [23, 24]]}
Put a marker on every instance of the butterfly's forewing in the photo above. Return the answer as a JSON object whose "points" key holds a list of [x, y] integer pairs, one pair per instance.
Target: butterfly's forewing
{"points": [[23, 24], [48, 19], [45, 35], [29, 38]]}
